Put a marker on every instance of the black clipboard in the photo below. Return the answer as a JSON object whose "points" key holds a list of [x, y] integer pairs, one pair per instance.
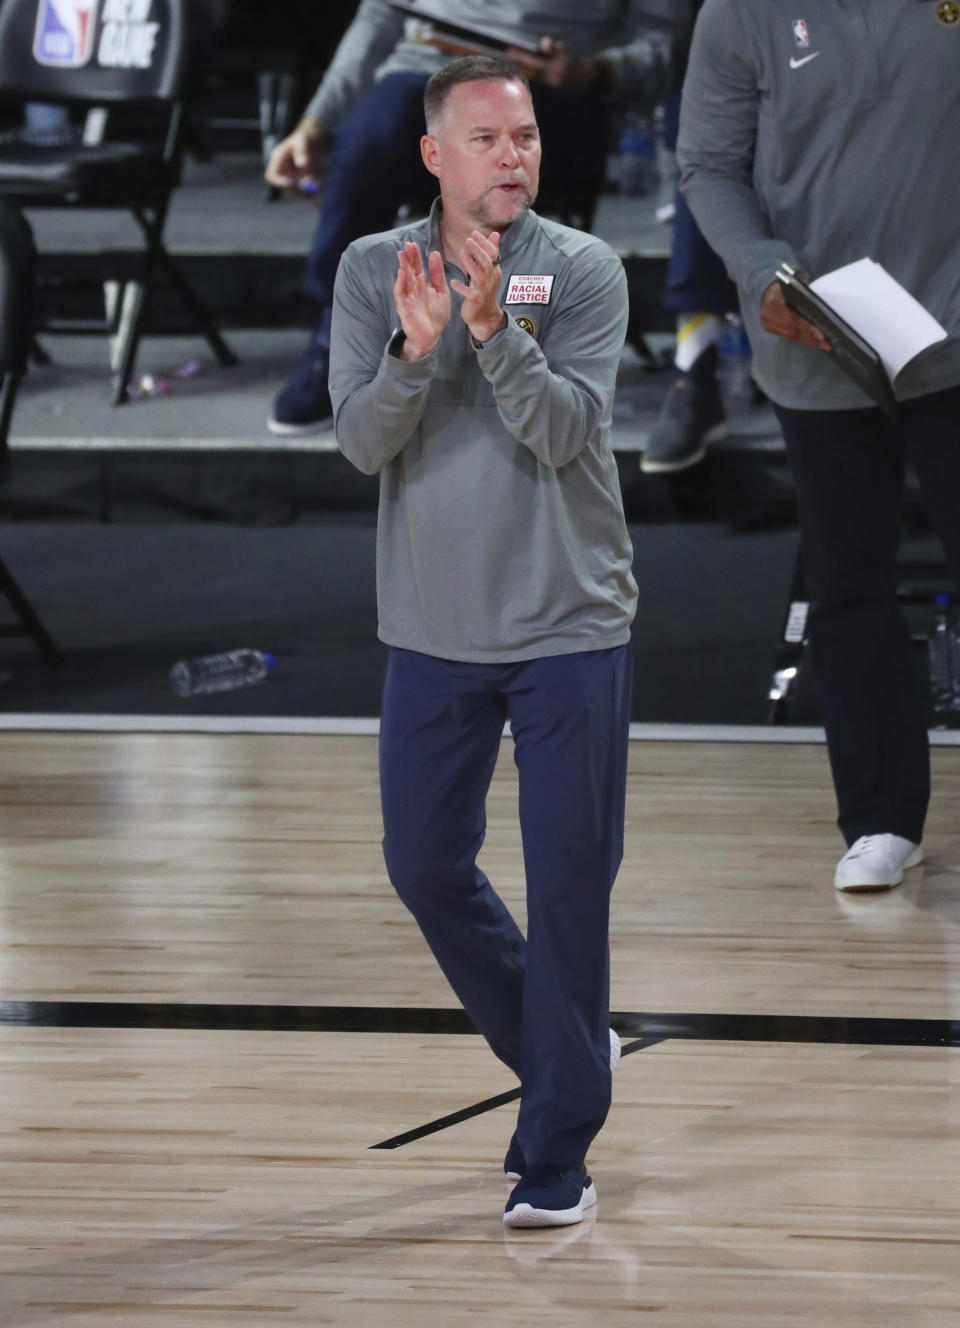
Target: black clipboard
{"points": [[856, 357], [476, 37]]}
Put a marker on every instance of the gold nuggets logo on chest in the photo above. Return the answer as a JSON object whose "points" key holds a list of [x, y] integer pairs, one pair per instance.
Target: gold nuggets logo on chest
{"points": [[527, 323], [529, 290], [948, 12]]}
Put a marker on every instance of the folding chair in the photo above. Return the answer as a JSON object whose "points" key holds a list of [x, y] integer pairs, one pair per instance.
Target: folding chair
{"points": [[17, 264], [122, 62]]}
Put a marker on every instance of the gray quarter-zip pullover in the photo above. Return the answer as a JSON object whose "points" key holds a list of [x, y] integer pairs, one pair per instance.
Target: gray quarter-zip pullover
{"points": [[501, 533], [821, 133]]}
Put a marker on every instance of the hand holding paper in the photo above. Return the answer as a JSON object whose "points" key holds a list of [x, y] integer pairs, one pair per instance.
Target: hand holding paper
{"points": [[885, 314], [875, 327]]}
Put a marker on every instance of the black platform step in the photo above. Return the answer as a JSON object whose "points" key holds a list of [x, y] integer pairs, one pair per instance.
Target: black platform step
{"points": [[258, 290]]}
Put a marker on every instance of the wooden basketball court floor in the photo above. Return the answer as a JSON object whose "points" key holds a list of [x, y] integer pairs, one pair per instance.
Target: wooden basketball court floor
{"points": [[235, 1090]]}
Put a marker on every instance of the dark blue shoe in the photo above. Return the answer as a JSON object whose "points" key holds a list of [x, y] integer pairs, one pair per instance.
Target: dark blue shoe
{"points": [[303, 406], [550, 1196]]}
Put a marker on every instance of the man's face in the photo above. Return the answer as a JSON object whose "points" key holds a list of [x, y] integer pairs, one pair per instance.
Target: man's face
{"points": [[485, 151]]}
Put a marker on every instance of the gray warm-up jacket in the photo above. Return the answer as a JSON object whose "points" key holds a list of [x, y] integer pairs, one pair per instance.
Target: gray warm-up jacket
{"points": [[501, 533], [634, 35], [823, 139]]}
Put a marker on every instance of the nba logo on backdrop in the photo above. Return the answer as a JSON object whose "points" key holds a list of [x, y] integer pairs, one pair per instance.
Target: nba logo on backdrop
{"points": [[64, 35], [800, 34]]}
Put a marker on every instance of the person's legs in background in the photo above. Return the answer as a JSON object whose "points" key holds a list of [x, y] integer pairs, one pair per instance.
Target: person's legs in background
{"points": [[700, 293], [931, 426], [574, 128], [849, 471], [372, 166]]}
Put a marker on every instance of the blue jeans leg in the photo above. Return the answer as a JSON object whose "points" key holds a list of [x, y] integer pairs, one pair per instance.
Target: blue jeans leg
{"points": [[697, 280], [440, 730], [570, 716], [373, 166]]}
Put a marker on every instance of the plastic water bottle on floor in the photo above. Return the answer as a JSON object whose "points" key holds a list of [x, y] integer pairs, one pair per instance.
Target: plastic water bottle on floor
{"points": [[736, 358], [220, 673], [665, 160], [943, 647]]}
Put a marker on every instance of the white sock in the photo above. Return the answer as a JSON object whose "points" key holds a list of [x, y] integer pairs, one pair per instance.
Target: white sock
{"points": [[695, 334]]}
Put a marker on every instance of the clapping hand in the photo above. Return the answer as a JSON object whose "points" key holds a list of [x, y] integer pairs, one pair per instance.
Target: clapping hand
{"points": [[422, 300], [480, 260]]}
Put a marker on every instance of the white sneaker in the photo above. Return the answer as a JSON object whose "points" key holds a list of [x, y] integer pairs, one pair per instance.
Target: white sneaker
{"points": [[614, 1049], [876, 862]]}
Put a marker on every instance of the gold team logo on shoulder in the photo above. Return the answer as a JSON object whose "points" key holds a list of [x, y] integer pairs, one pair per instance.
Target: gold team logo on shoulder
{"points": [[948, 11], [526, 323]]}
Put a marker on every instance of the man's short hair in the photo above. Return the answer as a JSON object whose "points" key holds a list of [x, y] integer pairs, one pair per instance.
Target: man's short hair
{"points": [[468, 69]]}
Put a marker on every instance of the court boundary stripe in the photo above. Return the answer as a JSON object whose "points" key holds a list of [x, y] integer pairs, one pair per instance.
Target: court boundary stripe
{"points": [[239, 1018], [480, 1108], [423, 1020], [644, 1028], [369, 726]]}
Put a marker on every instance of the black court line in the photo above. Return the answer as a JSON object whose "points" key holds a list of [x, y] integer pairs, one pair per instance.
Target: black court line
{"points": [[853, 1030], [478, 1108], [411, 1019], [252, 1018], [730, 1028], [646, 1027]]}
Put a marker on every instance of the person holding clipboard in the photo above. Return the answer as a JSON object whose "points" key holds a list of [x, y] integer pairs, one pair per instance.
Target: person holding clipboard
{"points": [[813, 138], [362, 126]]}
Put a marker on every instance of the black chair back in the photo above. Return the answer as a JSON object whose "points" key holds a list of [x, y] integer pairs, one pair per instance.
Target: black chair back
{"points": [[96, 51], [18, 261], [132, 62]]}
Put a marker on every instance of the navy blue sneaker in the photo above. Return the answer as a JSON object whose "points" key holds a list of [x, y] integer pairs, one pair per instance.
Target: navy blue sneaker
{"points": [[550, 1196], [303, 406]]}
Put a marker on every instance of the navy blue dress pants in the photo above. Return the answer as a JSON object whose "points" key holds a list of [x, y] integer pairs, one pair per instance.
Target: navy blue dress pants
{"points": [[542, 1002], [849, 471], [374, 165]]}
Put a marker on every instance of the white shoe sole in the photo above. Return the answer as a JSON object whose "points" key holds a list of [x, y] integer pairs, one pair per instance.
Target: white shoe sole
{"points": [[524, 1215], [913, 859], [281, 430], [714, 435]]}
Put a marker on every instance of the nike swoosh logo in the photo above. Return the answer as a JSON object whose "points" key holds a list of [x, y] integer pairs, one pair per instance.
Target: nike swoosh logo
{"points": [[795, 63]]}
